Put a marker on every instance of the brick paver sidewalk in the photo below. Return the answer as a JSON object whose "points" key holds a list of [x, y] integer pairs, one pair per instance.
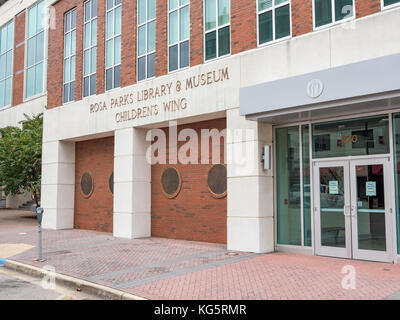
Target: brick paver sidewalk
{"points": [[175, 269]]}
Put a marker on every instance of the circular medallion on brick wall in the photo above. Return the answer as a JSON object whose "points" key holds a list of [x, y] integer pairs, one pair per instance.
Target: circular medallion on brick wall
{"points": [[111, 183], [171, 182], [87, 185], [216, 180]]}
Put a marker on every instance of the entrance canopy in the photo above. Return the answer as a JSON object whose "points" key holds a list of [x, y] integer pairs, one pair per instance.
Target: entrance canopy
{"points": [[371, 85]]}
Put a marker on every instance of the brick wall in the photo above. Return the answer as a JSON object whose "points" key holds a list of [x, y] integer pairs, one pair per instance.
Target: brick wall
{"points": [[243, 37], [101, 47], [19, 53], [97, 158], [194, 214], [367, 7], [196, 32], [243, 25], [302, 17], [56, 53], [128, 46], [161, 38]]}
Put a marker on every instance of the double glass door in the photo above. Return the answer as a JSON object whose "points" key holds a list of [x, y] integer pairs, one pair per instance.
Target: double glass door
{"points": [[352, 209]]}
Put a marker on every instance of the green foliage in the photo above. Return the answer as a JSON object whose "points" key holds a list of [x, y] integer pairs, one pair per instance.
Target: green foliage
{"points": [[21, 157]]}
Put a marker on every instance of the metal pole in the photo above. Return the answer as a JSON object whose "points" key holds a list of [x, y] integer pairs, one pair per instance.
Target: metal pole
{"points": [[40, 244], [39, 213]]}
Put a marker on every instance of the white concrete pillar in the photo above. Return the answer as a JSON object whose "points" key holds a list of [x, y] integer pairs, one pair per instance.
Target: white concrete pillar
{"points": [[250, 187], [58, 184], [132, 184]]}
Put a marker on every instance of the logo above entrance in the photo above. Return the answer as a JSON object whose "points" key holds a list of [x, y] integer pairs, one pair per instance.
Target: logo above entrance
{"points": [[315, 87]]}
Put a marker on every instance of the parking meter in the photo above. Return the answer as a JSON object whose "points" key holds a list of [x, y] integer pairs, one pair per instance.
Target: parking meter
{"points": [[39, 214]]}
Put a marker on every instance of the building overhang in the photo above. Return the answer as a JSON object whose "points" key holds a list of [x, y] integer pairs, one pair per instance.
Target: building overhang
{"points": [[367, 86]]}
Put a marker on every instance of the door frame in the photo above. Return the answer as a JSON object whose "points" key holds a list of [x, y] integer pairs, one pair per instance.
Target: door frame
{"points": [[319, 248], [351, 251], [362, 254]]}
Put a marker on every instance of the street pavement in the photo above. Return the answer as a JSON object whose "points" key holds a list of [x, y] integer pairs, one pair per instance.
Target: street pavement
{"points": [[157, 268], [17, 286]]}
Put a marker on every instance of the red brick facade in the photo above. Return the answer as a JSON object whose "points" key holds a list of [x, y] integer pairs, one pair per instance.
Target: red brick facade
{"points": [[302, 20], [194, 214], [128, 47], [97, 158], [19, 53], [243, 37], [56, 53], [101, 46], [196, 32], [367, 7], [161, 38], [243, 25]]}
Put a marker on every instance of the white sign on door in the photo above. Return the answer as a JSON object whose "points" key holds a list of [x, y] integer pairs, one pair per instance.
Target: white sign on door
{"points": [[333, 187], [370, 188]]}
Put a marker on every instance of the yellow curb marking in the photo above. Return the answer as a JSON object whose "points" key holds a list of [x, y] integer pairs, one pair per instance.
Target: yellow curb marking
{"points": [[11, 249]]}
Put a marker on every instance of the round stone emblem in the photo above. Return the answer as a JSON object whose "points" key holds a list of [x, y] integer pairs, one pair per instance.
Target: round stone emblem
{"points": [[217, 180], [315, 88], [171, 182], [87, 184]]}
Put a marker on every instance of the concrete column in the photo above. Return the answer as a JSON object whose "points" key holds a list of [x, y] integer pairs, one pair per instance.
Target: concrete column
{"points": [[132, 188], [250, 187], [58, 184]]}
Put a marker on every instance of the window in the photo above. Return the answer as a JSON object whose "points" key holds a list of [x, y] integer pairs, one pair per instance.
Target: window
{"points": [[306, 185], [330, 11], [113, 44], [288, 186], [146, 65], [69, 56], [273, 20], [387, 3], [89, 47], [363, 136], [35, 50], [396, 153], [6, 63], [293, 186], [178, 34], [217, 28]]}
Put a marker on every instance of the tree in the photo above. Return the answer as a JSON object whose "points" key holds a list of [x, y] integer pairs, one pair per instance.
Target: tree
{"points": [[21, 157]]}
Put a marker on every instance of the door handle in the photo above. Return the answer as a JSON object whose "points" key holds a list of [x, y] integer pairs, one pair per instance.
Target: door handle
{"points": [[353, 211]]}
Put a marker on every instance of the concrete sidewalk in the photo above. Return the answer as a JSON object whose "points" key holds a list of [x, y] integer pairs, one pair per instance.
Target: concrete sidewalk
{"points": [[156, 268]]}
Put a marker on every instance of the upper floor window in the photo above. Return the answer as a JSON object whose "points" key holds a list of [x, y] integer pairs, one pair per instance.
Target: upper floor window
{"points": [[217, 28], [113, 44], [178, 34], [330, 11], [35, 50], [273, 20], [6, 63], [89, 47], [388, 3], [69, 56], [146, 65]]}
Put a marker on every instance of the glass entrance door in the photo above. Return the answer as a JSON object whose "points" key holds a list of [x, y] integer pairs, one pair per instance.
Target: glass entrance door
{"points": [[351, 209], [332, 209], [370, 209]]}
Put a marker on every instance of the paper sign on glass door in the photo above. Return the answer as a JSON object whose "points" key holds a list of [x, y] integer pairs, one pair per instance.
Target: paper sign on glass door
{"points": [[370, 188], [333, 187]]}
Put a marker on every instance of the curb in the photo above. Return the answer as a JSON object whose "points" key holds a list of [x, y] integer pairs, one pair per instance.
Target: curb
{"points": [[87, 286]]}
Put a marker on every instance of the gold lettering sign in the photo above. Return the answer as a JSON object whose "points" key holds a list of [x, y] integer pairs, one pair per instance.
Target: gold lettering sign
{"points": [[141, 105]]}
